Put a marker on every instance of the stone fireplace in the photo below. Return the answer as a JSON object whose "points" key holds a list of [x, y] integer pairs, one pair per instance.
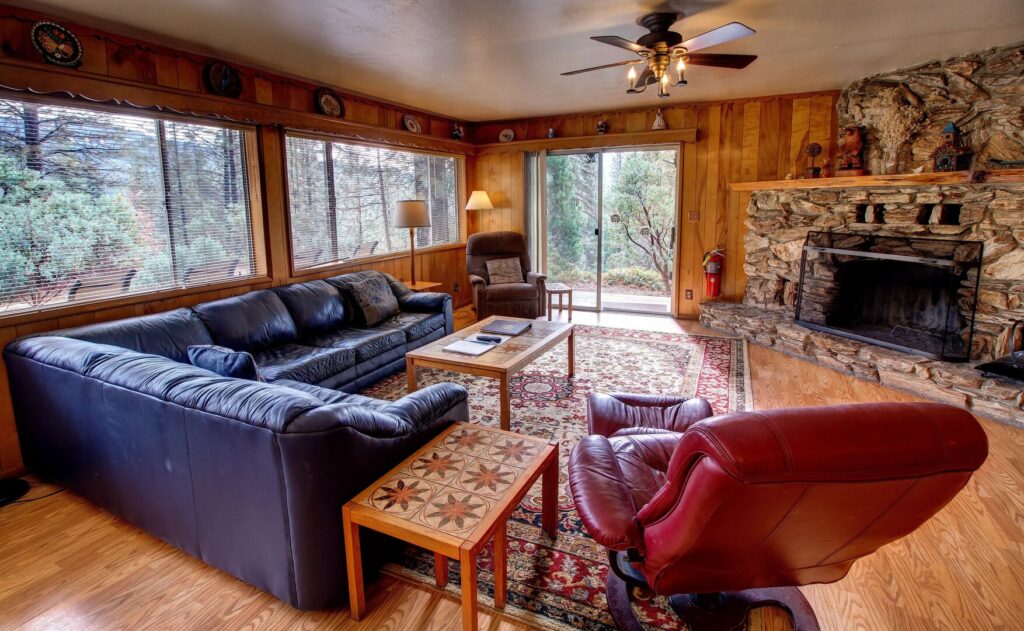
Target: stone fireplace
{"points": [[906, 293], [974, 230]]}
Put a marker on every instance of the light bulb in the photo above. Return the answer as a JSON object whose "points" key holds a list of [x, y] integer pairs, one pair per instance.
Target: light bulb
{"points": [[632, 74], [680, 67]]}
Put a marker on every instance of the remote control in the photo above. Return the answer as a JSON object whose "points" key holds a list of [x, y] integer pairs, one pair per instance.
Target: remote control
{"points": [[488, 338]]}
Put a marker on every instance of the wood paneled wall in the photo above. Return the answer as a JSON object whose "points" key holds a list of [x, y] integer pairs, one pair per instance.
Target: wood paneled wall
{"points": [[737, 141], [117, 69]]}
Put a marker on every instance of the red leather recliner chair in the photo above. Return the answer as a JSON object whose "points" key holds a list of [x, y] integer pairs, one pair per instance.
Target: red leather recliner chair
{"points": [[737, 510]]}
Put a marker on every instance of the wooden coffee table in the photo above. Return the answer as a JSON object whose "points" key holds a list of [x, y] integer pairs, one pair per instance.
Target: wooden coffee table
{"points": [[451, 497], [498, 363]]}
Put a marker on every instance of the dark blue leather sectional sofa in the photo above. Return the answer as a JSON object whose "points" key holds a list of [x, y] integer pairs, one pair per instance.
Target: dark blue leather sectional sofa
{"points": [[248, 476]]}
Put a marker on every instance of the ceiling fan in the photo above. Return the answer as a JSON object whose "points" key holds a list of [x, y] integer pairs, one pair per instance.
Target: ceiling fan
{"points": [[660, 48]]}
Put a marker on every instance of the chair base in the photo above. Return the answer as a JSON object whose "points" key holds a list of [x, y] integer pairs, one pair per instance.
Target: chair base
{"points": [[11, 490], [722, 611]]}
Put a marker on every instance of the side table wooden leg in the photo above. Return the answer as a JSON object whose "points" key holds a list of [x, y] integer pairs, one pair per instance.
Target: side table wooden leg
{"points": [[500, 548], [410, 374], [572, 354], [506, 403], [549, 497], [440, 570], [467, 561], [549, 307], [570, 305], [354, 563]]}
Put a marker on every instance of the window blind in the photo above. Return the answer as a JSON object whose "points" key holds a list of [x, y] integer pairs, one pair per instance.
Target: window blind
{"points": [[342, 197], [95, 205]]}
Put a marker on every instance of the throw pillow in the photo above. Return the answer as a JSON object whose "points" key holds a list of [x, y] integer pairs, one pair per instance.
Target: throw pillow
{"points": [[375, 299], [224, 361], [504, 271]]}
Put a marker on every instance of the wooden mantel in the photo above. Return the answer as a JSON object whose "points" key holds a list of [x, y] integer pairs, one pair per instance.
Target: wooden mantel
{"points": [[1001, 176]]}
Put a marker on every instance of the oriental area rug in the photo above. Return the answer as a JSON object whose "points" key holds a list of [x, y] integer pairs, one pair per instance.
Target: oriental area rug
{"points": [[559, 583]]}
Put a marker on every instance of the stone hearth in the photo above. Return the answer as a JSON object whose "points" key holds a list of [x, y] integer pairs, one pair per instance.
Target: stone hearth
{"points": [[953, 383]]}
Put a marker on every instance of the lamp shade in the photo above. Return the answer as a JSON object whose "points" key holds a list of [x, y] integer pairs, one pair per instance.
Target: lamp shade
{"points": [[411, 213], [479, 200]]}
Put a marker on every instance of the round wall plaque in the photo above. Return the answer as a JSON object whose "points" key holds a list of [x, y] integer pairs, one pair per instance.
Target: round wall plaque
{"points": [[506, 135], [223, 80], [328, 102], [57, 44]]}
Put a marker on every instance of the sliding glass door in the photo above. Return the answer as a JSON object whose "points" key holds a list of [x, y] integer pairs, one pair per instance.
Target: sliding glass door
{"points": [[611, 226]]}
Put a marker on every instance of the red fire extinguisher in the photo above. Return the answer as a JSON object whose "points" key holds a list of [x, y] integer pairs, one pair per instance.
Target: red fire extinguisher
{"points": [[713, 262]]}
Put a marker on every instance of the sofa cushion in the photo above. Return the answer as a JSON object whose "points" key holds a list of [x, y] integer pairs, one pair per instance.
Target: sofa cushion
{"points": [[315, 306], [308, 364], [367, 343], [414, 325], [224, 361], [375, 299], [509, 292], [505, 271], [166, 334], [250, 322]]}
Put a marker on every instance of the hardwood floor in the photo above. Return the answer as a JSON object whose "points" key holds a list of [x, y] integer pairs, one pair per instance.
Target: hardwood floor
{"points": [[66, 564]]}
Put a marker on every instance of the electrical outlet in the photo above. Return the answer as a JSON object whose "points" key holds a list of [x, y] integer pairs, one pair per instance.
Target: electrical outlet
{"points": [[455, 288], [689, 294], [694, 215]]}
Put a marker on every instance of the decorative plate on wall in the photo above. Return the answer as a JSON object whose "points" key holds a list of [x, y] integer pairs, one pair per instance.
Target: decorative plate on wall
{"points": [[223, 80], [328, 102], [412, 123], [506, 135], [57, 44]]}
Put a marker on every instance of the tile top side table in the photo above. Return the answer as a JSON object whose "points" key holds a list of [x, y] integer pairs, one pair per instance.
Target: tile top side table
{"points": [[450, 497]]}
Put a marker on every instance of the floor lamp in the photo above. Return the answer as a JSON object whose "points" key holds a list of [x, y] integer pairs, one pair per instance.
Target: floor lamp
{"points": [[412, 214]]}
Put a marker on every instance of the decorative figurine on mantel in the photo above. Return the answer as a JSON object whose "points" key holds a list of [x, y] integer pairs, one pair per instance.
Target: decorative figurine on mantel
{"points": [[851, 152], [813, 150], [659, 121], [952, 154]]}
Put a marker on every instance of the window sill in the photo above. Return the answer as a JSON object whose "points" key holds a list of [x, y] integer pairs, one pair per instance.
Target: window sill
{"points": [[68, 314], [318, 271]]}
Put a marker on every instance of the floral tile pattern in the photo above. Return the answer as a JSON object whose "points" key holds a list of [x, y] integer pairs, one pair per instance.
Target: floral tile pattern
{"points": [[453, 485], [559, 583]]}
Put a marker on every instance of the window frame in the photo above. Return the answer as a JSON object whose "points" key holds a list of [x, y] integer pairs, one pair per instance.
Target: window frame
{"points": [[257, 222], [319, 270]]}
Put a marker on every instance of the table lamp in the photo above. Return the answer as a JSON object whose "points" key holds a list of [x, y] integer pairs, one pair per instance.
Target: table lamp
{"points": [[412, 214], [479, 200]]}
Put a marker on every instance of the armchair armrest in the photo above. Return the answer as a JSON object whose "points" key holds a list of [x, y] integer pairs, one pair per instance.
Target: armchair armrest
{"points": [[535, 278], [477, 281], [602, 497], [608, 414]]}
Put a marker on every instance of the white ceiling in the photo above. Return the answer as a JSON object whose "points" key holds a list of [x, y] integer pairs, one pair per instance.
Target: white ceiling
{"points": [[494, 59]]}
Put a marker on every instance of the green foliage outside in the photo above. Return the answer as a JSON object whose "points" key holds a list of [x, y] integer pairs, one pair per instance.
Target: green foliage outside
{"points": [[638, 220], [49, 231]]}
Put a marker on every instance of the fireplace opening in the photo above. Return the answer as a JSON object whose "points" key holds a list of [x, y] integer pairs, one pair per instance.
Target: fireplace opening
{"points": [[916, 295]]}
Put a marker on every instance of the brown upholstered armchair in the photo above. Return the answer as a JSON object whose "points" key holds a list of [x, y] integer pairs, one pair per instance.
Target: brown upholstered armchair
{"points": [[521, 300]]}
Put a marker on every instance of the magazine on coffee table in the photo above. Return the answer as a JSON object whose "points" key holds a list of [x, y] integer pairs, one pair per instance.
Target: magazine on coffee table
{"points": [[472, 345], [507, 327]]}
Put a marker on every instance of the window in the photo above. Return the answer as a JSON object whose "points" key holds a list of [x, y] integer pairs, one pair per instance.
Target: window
{"points": [[95, 204], [342, 196]]}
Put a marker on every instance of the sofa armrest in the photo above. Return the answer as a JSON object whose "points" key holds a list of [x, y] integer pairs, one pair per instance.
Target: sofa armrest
{"points": [[441, 400], [425, 302], [602, 496]]}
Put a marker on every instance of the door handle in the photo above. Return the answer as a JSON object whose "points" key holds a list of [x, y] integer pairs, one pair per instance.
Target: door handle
{"points": [[597, 232]]}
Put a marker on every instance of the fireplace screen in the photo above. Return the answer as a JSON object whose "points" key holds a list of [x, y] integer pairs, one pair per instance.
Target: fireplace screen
{"points": [[906, 293]]}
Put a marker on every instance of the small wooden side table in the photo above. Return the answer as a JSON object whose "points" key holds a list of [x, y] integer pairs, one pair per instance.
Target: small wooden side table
{"points": [[421, 285], [560, 290], [451, 497]]}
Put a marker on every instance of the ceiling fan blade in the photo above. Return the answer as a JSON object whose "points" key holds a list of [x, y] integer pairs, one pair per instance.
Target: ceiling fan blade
{"points": [[618, 63], [715, 37], [621, 42], [719, 61]]}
